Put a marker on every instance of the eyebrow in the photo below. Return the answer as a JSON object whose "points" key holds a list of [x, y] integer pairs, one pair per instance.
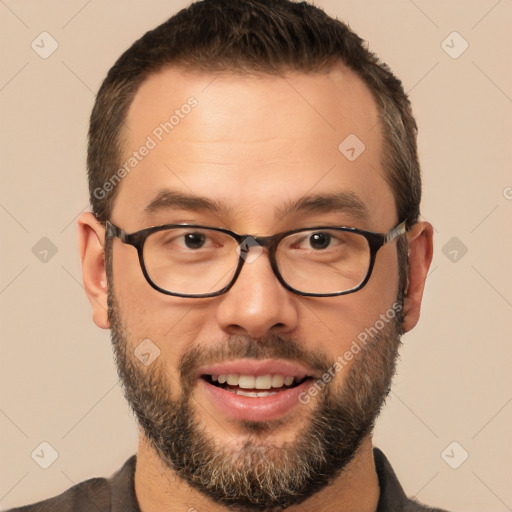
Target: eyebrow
{"points": [[344, 202], [339, 202], [172, 200]]}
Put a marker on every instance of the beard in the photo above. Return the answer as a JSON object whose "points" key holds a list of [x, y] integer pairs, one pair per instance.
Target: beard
{"points": [[255, 475]]}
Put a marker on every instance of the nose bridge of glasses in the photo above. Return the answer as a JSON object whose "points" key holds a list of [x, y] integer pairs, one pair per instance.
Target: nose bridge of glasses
{"points": [[249, 241], [251, 247]]}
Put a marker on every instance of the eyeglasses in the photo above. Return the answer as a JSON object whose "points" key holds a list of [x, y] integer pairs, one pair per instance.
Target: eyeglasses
{"points": [[198, 261]]}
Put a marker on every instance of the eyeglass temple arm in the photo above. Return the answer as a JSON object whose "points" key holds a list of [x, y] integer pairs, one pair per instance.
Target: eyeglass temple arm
{"points": [[111, 230], [396, 231]]}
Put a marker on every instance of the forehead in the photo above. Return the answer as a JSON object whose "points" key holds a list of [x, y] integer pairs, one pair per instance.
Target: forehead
{"points": [[252, 143]]}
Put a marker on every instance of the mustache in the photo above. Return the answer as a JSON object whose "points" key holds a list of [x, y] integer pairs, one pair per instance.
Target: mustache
{"points": [[244, 347]]}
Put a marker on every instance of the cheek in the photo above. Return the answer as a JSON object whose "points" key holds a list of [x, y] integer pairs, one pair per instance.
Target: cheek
{"points": [[334, 325], [171, 323], [383, 282], [378, 297], [131, 290]]}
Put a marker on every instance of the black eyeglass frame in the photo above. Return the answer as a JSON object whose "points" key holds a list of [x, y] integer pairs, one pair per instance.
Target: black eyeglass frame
{"points": [[138, 238]]}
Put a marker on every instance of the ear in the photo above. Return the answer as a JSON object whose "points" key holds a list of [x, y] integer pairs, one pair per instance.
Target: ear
{"points": [[420, 240], [91, 234]]}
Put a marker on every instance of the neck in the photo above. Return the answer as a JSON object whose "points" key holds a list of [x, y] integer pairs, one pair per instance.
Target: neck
{"points": [[159, 489]]}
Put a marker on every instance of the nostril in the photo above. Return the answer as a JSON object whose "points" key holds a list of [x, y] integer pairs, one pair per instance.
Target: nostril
{"points": [[236, 330]]}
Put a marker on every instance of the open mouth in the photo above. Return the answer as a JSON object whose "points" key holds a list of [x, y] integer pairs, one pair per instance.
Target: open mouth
{"points": [[254, 385], [254, 390]]}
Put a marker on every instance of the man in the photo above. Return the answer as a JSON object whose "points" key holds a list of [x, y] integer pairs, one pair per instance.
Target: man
{"points": [[255, 250]]}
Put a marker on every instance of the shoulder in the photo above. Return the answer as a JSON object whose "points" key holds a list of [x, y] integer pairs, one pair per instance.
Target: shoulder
{"points": [[392, 495], [95, 494], [76, 499], [414, 506]]}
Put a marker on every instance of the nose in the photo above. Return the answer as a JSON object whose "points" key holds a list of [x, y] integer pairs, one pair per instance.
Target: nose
{"points": [[257, 304]]}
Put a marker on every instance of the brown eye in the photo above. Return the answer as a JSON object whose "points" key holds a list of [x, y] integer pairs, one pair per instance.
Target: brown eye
{"points": [[194, 240], [320, 240]]}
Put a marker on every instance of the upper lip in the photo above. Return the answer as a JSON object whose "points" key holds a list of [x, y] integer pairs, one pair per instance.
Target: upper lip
{"points": [[256, 368]]}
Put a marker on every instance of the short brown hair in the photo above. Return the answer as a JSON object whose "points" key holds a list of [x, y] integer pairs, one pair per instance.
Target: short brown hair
{"points": [[259, 36]]}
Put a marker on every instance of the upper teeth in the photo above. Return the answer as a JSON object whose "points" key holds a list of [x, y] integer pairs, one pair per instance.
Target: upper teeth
{"points": [[254, 382]]}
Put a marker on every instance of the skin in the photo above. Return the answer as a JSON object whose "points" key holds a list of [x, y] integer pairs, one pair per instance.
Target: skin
{"points": [[254, 144]]}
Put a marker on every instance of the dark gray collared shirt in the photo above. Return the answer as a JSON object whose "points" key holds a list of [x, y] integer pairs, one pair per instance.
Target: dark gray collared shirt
{"points": [[117, 493]]}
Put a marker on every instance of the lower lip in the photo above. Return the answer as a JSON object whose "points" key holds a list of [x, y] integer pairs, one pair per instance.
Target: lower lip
{"points": [[261, 408]]}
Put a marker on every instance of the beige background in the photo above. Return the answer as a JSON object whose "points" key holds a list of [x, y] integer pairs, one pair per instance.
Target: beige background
{"points": [[58, 381]]}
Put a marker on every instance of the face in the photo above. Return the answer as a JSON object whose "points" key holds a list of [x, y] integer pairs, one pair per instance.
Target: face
{"points": [[261, 153]]}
